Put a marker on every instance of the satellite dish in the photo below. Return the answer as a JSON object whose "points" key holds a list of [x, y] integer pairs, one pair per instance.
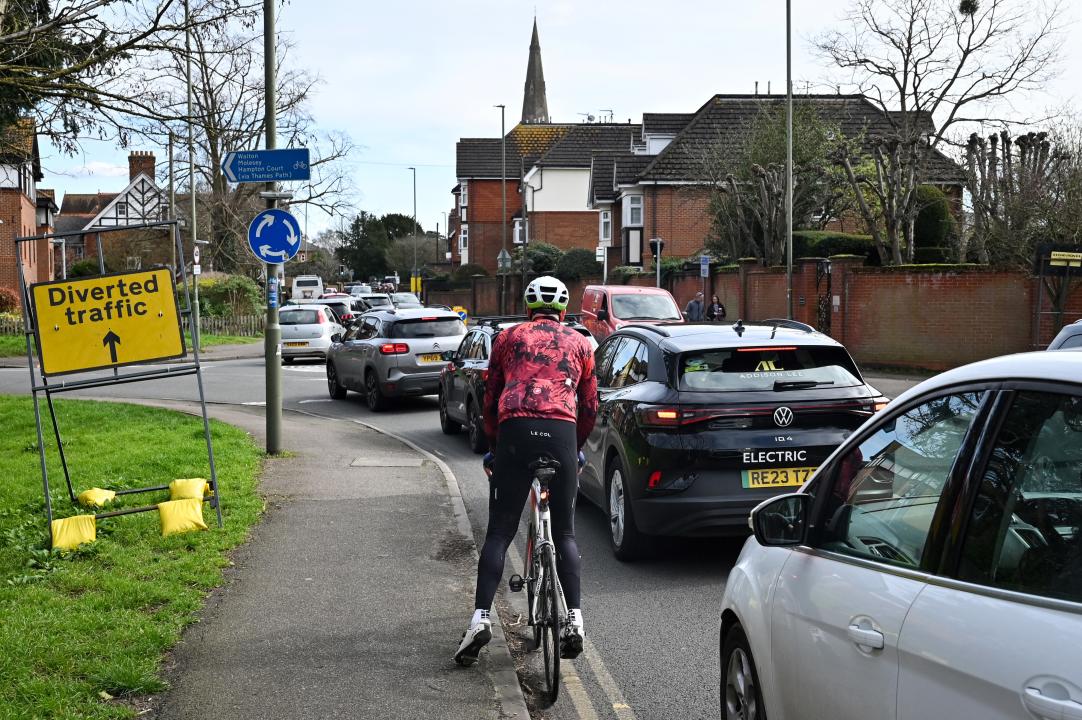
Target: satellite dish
{"points": [[589, 118]]}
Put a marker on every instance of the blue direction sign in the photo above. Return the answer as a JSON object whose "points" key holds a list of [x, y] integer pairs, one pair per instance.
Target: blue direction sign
{"points": [[274, 236], [256, 166], [704, 266]]}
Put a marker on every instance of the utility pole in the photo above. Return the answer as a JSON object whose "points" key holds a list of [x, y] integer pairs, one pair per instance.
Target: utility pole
{"points": [[172, 199], [414, 284], [789, 156], [273, 334], [191, 167], [503, 217]]}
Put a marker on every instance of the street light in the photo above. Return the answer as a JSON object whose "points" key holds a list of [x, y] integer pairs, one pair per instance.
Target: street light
{"points": [[413, 287], [503, 217], [789, 157]]}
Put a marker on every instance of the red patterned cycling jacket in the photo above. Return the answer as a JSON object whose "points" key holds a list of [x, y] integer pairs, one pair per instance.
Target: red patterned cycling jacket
{"points": [[541, 369]]}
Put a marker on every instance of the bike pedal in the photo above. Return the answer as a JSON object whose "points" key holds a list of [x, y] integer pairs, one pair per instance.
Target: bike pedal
{"points": [[516, 583]]}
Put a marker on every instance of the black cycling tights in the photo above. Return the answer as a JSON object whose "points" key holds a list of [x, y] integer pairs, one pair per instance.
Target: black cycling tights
{"points": [[522, 440]]}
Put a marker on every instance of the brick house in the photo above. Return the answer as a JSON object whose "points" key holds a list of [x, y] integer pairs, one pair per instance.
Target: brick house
{"points": [[141, 201], [660, 187], [24, 209]]}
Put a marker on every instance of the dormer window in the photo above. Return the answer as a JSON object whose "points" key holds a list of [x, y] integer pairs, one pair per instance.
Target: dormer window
{"points": [[464, 197]]}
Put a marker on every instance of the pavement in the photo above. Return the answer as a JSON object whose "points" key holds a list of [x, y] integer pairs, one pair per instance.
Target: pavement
{"points": [[243, 351], [351, 596]]}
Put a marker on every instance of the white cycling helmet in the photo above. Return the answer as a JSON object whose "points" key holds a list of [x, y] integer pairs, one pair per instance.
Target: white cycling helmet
{"points": [[546, 293]]}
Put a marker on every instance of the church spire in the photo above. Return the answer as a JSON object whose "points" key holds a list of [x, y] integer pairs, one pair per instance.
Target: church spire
{"points": [[535, 106]]}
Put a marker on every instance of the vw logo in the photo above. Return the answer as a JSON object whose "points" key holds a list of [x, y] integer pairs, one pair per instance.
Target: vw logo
{"points": [[783, 417]]}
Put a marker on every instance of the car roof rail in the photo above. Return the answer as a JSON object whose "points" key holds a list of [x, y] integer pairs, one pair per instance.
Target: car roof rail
{"points": [[791, 324], [659, 329]]}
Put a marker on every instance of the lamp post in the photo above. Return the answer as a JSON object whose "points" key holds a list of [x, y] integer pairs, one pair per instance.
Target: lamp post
{"points": [[503, 217], [413, 283], [789, 157]]}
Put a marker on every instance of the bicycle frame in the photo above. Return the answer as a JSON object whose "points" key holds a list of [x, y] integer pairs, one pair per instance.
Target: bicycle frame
{"points": [[537, 542]]}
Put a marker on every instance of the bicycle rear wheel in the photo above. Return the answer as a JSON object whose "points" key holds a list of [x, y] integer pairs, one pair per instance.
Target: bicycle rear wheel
{"points": [[550, 627]]}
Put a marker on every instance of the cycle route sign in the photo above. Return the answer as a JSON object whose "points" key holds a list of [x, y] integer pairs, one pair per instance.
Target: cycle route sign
{"points": [[274, 236], [107, 321]]}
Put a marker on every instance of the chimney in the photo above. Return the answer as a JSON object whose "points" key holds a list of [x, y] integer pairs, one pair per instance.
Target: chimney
{"points": [[756, 87], [140, 161]]}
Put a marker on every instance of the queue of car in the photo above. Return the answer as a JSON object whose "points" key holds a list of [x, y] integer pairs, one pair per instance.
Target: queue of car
{"points": [[899, 550]]}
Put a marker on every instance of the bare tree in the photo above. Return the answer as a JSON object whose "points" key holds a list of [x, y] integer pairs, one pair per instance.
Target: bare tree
{"points": [[933, 60], [70, 68], [227, 74]]}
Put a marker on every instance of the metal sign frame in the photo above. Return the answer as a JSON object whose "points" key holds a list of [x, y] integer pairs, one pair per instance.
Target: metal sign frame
{"points": [[40, 383]]}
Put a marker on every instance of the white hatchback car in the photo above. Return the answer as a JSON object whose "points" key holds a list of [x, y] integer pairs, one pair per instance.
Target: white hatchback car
{"points": [[931, 568]]}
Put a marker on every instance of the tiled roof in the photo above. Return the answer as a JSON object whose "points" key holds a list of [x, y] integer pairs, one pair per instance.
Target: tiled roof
{"points": [[534, 140], [481, 157], [581, 141], [610, 169], [722, 125], [89, 204], [70, 223], [665, 123]]}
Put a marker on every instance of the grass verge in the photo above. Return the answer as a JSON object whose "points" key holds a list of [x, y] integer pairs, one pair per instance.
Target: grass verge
{"points": [[85, 631], [15, 346]]}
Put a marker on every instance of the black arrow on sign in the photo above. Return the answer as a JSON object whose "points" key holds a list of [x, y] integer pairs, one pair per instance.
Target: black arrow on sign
{"points": [[112, 340]]}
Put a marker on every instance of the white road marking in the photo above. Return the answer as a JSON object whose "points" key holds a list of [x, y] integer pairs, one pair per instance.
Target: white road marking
{"points": [[321, 400], [255, 403], [305, 368]]}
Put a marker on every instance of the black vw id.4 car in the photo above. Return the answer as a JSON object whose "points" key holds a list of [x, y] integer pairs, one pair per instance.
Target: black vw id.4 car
{"points": [[699, 423]]}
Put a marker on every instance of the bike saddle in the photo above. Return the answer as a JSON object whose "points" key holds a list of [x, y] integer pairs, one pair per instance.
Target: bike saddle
{"points": [[544, 463]]}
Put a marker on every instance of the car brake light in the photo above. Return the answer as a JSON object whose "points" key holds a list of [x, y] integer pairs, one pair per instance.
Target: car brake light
{"points": [[394, 348], [662, 417], [764, 349], [322, 318], [484, 375], [654, 480]]}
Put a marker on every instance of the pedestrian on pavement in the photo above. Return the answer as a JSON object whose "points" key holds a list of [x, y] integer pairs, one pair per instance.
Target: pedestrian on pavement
{"points": [[715, 311], [694, 310], [540, 399]]}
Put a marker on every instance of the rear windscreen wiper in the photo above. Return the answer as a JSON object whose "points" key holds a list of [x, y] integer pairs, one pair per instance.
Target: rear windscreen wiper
{"points": [[799, 384]]}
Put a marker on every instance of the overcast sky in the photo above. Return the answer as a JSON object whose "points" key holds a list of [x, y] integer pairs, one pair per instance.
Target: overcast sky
{"points": [[406, 79]]}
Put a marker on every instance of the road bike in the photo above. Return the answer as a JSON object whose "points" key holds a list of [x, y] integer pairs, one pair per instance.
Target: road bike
{"points": [[544, 594]]}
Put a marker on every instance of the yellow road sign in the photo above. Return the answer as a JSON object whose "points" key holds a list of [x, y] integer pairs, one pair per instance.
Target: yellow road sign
{"points": [[107, 321], [1071, 259]]}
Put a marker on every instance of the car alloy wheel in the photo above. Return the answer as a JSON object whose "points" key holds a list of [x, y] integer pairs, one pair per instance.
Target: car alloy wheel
{"points": [[476, 426], [741, 697], [373, 395], [334, 388], [449, 426], [616, 507]]}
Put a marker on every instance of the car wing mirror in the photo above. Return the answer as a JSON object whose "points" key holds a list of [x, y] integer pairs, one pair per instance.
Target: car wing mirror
{"points": [[781, 521], [336, 338], [602, 315], [449, 355]]}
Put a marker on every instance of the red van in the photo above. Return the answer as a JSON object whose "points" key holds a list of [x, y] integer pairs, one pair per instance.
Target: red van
{"points": [[606, 308]]}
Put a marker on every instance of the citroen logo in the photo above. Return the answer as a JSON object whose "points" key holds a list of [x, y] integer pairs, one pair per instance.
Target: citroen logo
{"points": [[435, 346], [783, 417]]}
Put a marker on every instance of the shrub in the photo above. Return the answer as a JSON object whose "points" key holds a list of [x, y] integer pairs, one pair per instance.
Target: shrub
{"points": [[85, 268], [541, 258], [577, 264], [9, 300], [468, 270], [935, 224], [231, 295], [621, 273], [824, 243], [927, 255]]}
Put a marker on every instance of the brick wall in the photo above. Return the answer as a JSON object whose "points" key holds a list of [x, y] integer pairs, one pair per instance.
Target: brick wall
{"points": [[565, 230], [19, 219], [680, 216]]}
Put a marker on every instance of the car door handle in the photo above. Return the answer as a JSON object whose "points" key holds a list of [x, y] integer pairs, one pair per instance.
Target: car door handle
{"points": [[866, 637], [1050, 708]]}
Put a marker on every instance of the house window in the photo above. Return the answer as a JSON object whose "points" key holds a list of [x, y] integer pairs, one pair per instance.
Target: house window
{"points": [[122, 209], [633, 211], [133, 262], [604, 231], [464, 196], [462, 215], [463, 237]]}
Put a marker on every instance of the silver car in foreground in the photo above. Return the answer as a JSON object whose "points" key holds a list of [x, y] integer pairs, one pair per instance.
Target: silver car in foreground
{"points": [[393, 353], [307, 331], [932, 566]]}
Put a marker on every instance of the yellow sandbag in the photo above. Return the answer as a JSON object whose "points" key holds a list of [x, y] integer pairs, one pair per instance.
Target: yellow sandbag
{"points": [[189, 488], [96, 497], [179, 516], [71, 532]]}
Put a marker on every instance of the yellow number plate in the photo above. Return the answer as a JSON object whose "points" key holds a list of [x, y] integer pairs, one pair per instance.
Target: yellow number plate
{"points": [[296, 344], [431, 357], [776, 477]]}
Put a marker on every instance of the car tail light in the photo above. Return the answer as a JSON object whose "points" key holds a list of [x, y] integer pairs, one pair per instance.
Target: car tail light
{"points": [[484, 375], [394, 348], [654, 480], [322, 318], [347, 316]]}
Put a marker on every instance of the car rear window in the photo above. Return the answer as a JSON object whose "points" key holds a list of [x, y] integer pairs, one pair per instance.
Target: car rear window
{"points": [[306, 283], [298, 317], [772, 368], [377, 300], [422, 328], [644, 307]]}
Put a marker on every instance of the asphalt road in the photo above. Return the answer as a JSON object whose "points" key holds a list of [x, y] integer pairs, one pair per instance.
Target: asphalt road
{"points": [[652, 625]]}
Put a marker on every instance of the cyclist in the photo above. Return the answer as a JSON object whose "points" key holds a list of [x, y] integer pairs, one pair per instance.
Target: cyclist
{"points": [[540, 398]]}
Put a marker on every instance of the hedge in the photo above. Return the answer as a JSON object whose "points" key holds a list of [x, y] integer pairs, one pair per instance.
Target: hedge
{"points": [[577, 263], [467, 271], [823, 243]]}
